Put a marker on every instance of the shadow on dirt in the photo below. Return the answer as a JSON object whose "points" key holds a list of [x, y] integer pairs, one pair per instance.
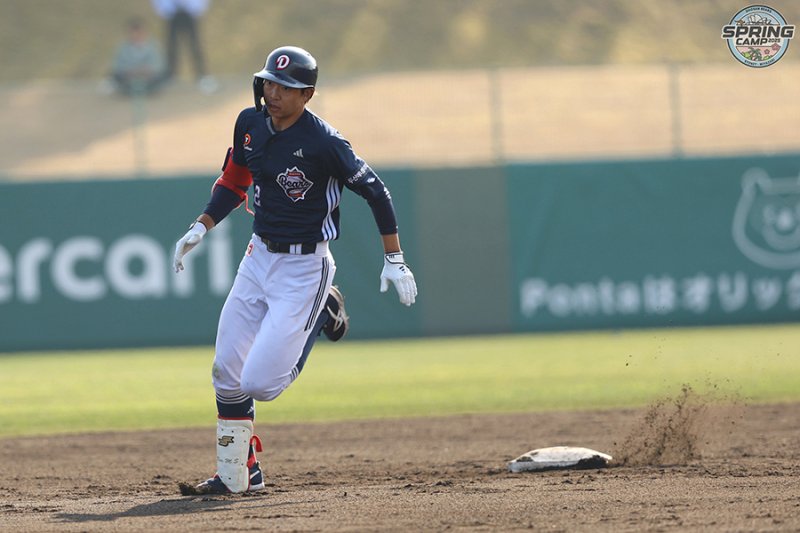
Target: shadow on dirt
{"points": [[180, 506]]}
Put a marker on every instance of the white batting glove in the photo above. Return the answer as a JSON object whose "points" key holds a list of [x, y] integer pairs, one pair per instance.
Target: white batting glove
{"points": [[187, 242], [396, 270]]}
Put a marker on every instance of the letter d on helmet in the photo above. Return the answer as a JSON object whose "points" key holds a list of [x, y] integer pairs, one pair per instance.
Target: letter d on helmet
{"points": [[289, 66]]}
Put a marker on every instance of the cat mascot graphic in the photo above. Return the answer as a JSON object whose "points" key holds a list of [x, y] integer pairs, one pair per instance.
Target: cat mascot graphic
{"points": [[766, 225]]}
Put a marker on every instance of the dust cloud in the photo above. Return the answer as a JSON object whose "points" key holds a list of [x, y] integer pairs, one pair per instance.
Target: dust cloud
{"points": [[676, 430]]}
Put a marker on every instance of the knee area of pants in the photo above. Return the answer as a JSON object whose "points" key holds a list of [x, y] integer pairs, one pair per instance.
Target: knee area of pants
{"points": [[261, 393]]}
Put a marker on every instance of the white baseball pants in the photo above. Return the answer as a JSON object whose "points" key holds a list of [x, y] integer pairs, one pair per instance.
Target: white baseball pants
{"points": [[267, 318]]}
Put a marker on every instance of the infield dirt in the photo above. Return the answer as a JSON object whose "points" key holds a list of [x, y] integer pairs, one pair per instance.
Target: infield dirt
{"points": [[740, 473]]}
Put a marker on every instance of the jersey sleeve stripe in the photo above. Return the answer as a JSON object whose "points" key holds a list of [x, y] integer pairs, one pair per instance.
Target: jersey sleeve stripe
{"points": [[333, 196]]}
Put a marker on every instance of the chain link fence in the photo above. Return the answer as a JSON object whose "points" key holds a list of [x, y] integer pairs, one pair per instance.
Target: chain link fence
{"points": [[72, 130]]}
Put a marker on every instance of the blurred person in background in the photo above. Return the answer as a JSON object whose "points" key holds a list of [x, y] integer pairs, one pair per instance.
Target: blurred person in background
{"points": [[183, 22], [138, 66]]}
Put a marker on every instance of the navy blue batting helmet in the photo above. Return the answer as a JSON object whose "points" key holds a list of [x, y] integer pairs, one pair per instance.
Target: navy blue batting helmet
{"points": [[289, 66]]}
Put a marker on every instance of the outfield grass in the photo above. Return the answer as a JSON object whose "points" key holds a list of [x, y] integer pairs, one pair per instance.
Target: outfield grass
{"points": [[42, 393]]}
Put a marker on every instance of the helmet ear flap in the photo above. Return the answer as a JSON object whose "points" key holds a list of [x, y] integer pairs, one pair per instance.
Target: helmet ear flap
{"points": [[258, 92]]}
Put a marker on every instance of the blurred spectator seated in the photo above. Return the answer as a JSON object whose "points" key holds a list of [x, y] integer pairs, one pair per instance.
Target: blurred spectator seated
{"points": [[138, 67]]}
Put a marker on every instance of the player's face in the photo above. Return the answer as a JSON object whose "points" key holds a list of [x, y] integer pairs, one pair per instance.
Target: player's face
{"points": [[284, 104]]}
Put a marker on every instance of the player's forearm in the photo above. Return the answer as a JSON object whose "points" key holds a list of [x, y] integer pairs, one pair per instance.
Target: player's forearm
{"points": [[228, 192], [207, 221], [223, 200], [391, 243], [380, 202]]}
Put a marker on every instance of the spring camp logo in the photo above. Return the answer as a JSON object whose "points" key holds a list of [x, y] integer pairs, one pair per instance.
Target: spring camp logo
{"points": [[758, 36]]}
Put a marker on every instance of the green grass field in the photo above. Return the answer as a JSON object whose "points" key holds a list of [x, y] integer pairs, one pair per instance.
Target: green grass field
{"points": [[44, 393]]}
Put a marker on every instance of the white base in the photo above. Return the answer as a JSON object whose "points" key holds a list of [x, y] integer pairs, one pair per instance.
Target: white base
{"points": [[559, 457]]}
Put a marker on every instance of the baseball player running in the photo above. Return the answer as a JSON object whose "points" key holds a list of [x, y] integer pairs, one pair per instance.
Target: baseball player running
{"points": [[282, 296]]}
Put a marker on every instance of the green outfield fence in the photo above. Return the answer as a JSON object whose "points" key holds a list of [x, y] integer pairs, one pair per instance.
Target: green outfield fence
{"points": [[508, 248]]}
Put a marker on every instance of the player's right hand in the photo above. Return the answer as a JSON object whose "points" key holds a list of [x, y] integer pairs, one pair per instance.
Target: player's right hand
{"points": [[187, 242]]}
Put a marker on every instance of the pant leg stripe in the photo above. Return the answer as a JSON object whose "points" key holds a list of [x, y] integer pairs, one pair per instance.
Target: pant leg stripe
{"points": [[321, 294]]}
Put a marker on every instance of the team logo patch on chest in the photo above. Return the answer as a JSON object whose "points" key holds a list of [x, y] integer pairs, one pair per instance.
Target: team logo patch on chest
{"points": [[294, 183]]}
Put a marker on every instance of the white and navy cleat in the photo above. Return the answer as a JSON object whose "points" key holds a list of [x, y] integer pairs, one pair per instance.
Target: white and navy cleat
{"points": [[339, 322], [215, 485]]}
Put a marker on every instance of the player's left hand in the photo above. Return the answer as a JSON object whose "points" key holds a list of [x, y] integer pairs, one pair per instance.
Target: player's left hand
{"points": [[187, 242], [397, 271]]}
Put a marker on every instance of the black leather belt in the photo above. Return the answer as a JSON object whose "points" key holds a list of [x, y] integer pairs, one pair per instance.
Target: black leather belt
{"points": [[286, 248]]}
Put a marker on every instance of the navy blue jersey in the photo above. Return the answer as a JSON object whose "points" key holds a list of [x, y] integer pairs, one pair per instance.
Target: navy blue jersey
{"points": [[298, 176]]}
